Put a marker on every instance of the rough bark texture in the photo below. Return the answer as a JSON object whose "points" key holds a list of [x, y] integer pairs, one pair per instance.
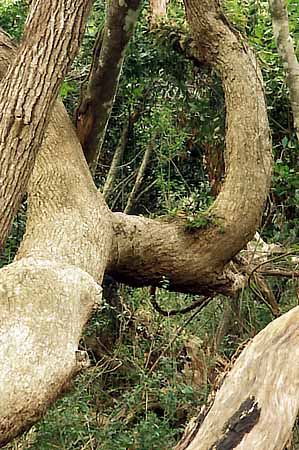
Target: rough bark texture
{"points": [[287, 53], [28, 91], [94, 111], [49, 292], [39, 334], [265, 374]]}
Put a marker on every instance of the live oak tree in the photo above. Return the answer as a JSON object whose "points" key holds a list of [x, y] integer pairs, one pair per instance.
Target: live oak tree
{"points": [[72, 238]]}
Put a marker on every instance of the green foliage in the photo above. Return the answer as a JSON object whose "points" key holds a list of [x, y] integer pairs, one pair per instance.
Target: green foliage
{"points": [[15, 236], [202, 221], [180, 105], [121, 403], [12, 17]]}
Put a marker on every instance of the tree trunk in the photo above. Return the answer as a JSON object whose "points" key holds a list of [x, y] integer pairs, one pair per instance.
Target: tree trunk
{"points": [[148, 251], [48, 293], [116, 160], [28, 92], [258, 402], [287, 53], [158, 11], [140, 174], [94, 111]]}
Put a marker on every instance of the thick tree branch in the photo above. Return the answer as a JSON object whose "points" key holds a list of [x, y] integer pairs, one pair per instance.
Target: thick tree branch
{"points": [[28, 90], [151, 252], [44, 306], [94, 111]]}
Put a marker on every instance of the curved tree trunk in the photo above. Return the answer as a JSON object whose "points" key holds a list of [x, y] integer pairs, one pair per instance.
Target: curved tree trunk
{"points": [[148, 251], [48, 293], [28, 92]]}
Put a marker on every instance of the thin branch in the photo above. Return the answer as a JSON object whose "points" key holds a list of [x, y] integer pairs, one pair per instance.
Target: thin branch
{"points": [[172, 312], [280, 273], [140, 175], [115, 164], [178, 331]]}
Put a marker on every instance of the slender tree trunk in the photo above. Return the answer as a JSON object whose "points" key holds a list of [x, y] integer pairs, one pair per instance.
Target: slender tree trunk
{"points": [[94, 111], [287, 53], [158, 11], [226, 322], [117, 158], [29, 90], [214, 164], [121, 146], [140, 174]]}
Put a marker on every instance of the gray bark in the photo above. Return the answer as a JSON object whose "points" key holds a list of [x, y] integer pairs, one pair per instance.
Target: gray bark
{"points": [[140, 175], [72, 238], [116, 160]]}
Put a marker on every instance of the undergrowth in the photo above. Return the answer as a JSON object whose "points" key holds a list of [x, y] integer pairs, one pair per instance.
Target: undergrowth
{"points": [[152, 375]]}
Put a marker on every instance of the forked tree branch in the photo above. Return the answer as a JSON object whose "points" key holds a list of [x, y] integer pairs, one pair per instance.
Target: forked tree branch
{"points": [[72, 238]]}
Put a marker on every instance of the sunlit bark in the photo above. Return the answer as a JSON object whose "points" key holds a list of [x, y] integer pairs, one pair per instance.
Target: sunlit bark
{"points": [[158, 11]]}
